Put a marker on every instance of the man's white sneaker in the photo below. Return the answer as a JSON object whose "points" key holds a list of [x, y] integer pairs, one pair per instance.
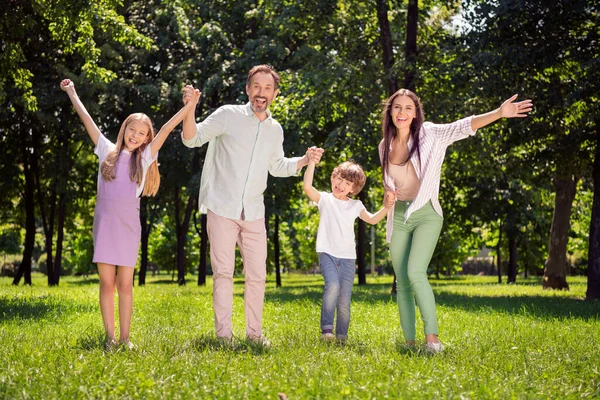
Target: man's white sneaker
{"points": [[260, 340]]}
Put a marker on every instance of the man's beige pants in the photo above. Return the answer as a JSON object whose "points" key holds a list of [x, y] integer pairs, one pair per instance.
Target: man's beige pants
{"points": [[251, 237]]}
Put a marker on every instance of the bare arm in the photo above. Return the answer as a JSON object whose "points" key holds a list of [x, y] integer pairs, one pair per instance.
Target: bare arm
{"points": [[388, 203], [508, 109], [171, 124], [309, 174], [189, 122], [88, 122], [315, 152]]}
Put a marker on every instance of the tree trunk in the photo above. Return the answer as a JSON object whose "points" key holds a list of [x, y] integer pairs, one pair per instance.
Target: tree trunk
{"points": [[64, 166], [386, 43], [60, 234], [203, 247], [24, 270], [361, 244], [593, 287], [556, 268], [499, 251], [144, 243], [182, 229], [412, 19], [512, 257], [277, 252], [47, 220]]}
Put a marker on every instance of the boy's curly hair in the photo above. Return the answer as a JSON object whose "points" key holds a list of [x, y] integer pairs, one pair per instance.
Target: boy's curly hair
{"points": [[351, 172]]}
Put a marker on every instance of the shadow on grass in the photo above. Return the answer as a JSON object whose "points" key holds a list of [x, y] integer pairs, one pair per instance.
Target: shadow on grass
{"points": [[31, 308], [85, 282], [537, 306], [90, 340], [543, 307], [237, 345]]}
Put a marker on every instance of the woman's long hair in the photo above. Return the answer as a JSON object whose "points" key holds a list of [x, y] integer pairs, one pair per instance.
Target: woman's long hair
{"points": [[136, 171], [389, 129]]}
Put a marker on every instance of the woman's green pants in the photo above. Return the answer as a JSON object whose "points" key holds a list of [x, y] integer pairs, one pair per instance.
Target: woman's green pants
{"points": [[411, 250]]}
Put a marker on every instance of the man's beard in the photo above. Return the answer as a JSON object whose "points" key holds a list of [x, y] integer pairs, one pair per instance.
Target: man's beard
{"points": [[257, 108]]}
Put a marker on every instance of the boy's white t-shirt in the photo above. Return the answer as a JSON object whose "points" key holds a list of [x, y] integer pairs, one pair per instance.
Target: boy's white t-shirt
{"points": [[336, 226], [105, 146]]}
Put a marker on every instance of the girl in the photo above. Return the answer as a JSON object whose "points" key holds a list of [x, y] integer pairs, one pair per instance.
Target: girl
{"points": [[335, 239], [411, 154], [127, 171]]}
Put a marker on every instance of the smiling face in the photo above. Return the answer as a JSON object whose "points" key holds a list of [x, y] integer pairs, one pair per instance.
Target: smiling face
{"points": [[136, 134], [261, 92], [340, 187], [403, 111]]}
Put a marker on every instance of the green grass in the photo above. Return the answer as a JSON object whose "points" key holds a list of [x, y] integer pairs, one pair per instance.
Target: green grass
{"points": [[503, 341]]}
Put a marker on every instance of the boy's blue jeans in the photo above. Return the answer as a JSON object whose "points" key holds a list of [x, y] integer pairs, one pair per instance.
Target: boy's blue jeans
{"points": [[339, 278]]}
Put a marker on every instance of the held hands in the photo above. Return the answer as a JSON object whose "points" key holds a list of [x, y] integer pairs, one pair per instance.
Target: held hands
{"points": [[68, 86], [314, 154], [190, 94], [508, 109], [389, 199]]}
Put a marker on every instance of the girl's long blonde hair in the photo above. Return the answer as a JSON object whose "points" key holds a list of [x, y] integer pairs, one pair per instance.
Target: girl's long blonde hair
{"points": [[136, 171]]}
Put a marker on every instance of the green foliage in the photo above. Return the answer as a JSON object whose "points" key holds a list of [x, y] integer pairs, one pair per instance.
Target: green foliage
{"points": [[162, 249], [136, 56], [10, 240]]}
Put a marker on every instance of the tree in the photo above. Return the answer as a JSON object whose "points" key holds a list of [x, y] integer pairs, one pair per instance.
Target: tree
{"points": [[38, 50], [537, 48]]}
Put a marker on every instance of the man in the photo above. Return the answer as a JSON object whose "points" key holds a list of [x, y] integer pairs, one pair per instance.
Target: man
{"points": [[245, 144]]}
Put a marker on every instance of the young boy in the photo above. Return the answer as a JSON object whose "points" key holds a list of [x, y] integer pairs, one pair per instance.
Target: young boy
{"points": [[335, 240]]}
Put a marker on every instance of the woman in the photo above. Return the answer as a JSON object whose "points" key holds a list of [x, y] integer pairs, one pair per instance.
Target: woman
{"points": [[411, 154]]}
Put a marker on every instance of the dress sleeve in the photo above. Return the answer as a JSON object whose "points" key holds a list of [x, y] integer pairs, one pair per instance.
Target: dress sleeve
{"points": [[147, 158], [103, 147]]}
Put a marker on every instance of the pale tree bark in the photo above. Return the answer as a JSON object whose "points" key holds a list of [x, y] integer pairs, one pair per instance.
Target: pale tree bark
{"points": [[556, 268]]}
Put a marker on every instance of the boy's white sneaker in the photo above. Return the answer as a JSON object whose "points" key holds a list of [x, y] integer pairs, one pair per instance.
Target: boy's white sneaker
{"points": [[328, 337]]}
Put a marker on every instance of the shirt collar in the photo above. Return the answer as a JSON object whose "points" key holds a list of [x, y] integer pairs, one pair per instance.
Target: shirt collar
{"points": [[250, 113]]}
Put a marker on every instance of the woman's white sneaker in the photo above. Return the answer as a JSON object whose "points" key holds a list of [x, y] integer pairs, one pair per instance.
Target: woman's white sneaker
{"points": [[435, 347]]}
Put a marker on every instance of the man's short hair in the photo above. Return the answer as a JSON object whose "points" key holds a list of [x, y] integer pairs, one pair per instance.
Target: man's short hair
{"points": [[266, 69]]}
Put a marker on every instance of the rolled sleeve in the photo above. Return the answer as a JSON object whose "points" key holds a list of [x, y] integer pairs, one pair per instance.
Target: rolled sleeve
{"points": [[214, 125], [193, 142], [450, 133], [284, 167]]}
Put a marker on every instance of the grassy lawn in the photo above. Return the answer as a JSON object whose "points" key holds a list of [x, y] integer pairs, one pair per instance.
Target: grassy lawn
{"points": [[502, 341]]}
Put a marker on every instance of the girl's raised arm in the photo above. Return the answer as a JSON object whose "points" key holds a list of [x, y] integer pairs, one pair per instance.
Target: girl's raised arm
{"points": [[160, 138], [88, 122]]}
